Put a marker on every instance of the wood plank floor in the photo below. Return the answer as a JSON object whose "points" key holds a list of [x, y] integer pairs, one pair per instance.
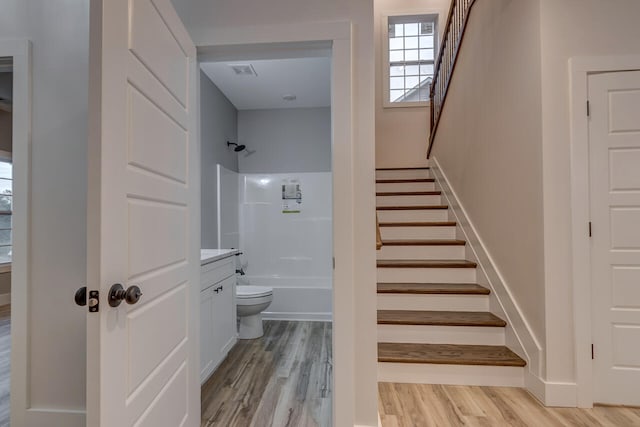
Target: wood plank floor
{"points": [[5, 359], [283, 379], [418, 405]]}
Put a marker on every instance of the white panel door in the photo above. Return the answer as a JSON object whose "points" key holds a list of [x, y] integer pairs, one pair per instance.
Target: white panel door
{"points": [[143, 218], [614, 150]]}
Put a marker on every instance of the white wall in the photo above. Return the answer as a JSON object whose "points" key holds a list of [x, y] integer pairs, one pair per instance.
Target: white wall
{"points": [[60, 36], [569, 28], [285, 140], [489, 145], [229, 22], [401, 133], [218, 124]]}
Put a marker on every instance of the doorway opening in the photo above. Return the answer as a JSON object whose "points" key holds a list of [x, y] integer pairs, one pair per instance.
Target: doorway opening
{"points": [[267, 180]]}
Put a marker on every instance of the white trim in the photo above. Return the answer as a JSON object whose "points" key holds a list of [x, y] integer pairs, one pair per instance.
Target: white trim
{"points": [[579, 70], [554, 394], [5, 299], [297, 316], [20, 50], [53, 417], [519, 335], [340, 34]]}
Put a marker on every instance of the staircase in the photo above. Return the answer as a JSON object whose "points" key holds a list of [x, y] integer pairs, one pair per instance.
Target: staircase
{"points": [[434, 324]]}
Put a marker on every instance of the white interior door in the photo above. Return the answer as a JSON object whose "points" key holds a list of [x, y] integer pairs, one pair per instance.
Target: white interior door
{"points": [[143, 219], [614, 151]]}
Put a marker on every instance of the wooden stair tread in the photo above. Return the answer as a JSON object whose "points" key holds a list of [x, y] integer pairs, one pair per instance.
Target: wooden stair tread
{"points": [[432, 288], [409, 193], [411, 208], [449, 354], [439, 318], [430, 242], [417, 263], [419, 224], [403, 181], [403, 169]]}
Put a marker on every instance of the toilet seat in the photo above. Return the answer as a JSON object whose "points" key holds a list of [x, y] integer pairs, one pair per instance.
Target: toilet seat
{"points": [[244, 292]]}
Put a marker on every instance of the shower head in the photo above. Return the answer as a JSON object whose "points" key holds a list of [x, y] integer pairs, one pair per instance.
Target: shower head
{"points": [[238, 148]]}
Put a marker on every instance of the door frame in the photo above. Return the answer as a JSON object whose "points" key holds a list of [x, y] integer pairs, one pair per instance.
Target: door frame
{"points": [[339, 34], [579, 70], [20, 51]]}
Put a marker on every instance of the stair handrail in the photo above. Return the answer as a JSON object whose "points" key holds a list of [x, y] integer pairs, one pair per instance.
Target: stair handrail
{"points": [[447, 57], [378, 236]]}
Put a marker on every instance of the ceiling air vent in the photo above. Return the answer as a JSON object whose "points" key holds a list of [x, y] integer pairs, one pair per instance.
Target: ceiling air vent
{"points": [[243, 70]]}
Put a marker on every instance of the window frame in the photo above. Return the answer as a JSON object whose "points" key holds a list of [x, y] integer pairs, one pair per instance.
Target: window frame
{"points": [[386, 103]]}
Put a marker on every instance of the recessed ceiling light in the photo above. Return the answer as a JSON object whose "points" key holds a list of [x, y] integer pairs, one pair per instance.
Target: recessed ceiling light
{"points": [[290, 97], [243, 70]]}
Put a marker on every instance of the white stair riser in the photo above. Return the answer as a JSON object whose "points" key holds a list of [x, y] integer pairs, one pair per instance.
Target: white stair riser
{"points": [[426, 275], [418, 233], [407, 200], [413, 215], [405, 186], [404, 174], [433, 302], [424, 373], [421, 252], [458, 335]]}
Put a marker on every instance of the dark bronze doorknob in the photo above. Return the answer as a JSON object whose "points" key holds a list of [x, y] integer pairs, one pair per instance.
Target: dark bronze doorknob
{"points": [[81, 296], [117, 294]]}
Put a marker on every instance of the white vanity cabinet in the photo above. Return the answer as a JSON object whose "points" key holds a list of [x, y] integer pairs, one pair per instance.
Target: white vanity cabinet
{"points": [[218, 330]]}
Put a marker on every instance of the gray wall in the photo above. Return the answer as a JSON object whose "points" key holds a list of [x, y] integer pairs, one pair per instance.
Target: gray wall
{"points": [[59, 32], [285, 140], [219, 124]]}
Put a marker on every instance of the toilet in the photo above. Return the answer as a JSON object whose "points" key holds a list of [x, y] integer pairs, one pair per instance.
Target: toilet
{"points": [[251, 301]]}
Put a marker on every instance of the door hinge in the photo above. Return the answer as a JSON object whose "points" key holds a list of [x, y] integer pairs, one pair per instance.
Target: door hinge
{"points": [[592, 353], [589, 228], [588, 109], [334, 262]]}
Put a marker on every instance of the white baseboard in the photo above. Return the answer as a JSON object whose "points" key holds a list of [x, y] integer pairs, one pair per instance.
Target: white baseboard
{"points": [[519, 336], [552, 394], [298, 316], [5, 299]]}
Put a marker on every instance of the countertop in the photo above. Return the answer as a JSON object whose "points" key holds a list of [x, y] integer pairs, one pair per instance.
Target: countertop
{"points": [[211, 255]]}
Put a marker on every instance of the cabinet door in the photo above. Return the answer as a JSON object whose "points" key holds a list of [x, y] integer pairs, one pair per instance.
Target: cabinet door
{"points": [[225, 316], [206, 336]]}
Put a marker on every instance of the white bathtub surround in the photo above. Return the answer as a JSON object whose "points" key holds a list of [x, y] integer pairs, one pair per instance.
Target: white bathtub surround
{"points": [[288, 252]]}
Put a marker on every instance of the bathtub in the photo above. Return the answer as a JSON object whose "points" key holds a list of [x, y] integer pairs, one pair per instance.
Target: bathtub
{"points": [[295, 298]]}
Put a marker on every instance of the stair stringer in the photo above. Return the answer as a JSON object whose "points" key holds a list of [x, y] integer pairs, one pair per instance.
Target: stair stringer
{"points": [[518, 334]]}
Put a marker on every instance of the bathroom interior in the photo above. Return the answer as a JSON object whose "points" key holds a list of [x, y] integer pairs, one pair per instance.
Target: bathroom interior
{"points": [[266, 224]]}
